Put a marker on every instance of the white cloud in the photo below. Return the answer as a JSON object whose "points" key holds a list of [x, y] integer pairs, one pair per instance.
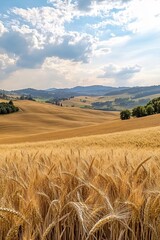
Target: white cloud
{"points": [[71, 40], [116, 41], [7, 65], [45, 23], [66, 68], [74, 46], [6, 61], [35, 39], [74, 73], [101, 51], [134, 15], [119, 73], [2, 29], [40, 33], [139, 16], [105, 47]]}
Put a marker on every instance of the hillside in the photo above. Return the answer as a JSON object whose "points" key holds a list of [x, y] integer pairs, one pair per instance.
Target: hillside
{"points": [[93, 97], [41, 118], [41, 122], [95, 90]]}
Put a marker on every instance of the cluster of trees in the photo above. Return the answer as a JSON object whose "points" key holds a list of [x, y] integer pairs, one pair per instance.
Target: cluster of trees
{"points": [[107, 106], [6, 108], [152, 107], [55, 102], [27, 97], [124, 102]]}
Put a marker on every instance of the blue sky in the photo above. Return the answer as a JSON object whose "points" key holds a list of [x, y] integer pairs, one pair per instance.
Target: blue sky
{"points": [[65, 43]]}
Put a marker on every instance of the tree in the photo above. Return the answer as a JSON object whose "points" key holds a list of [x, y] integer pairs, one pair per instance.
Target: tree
{"points": [[11, 102], [125, 114], [158, 106], [22, 97], [155, 104], [139, 112], [3, 110], [149, 109], [6, 108]]}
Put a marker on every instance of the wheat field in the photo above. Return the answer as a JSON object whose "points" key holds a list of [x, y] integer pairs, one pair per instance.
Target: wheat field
{"points": [[73, 174], [96, 187], [42, 122]]}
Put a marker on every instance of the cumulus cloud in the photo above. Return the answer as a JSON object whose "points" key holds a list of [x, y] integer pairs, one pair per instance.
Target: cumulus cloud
{"points": [[101, 51], [139, 16], [72, 46], [88, 5], [120, 73], [13, 42], [79, 32], [7, 65], [6, 61], [2, 29], [80, 8], [128, 15], [84, 5], [78, 51], [39, 33]]}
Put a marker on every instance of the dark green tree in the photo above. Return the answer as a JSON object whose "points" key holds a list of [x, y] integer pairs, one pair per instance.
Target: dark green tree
{"points": [[125, 114], [6, 108], [155, 104], [149, 109], [139, 111], [11, 102]]}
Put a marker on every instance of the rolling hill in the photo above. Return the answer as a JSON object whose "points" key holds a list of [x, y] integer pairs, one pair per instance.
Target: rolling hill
{"points": [[41, 122], [36, 118], [98, 97], [95, 90]]}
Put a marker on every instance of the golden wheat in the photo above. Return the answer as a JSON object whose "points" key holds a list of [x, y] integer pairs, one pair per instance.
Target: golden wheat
{"points": [[82, 188]]}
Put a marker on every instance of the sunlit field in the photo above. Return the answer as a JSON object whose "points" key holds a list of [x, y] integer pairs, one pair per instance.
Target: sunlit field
{"points": [[42, 122], [97, 187], [80, 120]]}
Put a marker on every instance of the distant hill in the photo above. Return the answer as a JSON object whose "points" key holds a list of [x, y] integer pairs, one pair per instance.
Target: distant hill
{"points": [[33, 92], [91, 90], [137, 92], [95, 90]]}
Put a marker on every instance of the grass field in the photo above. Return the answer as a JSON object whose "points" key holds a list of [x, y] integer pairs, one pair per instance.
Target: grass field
{"points": [[39, 118], [42, 122], [102, 184]]}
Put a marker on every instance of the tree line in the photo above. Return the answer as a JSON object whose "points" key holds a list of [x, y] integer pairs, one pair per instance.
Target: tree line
{"points": [[152, 107], [6, 108]]}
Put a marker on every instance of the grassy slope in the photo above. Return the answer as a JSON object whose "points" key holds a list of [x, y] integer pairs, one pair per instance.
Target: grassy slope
{"points": [[38, 118], [147, 139], [42, 122]]}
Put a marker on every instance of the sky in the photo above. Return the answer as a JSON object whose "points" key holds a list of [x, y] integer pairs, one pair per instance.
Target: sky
{"points": [[66, 43]]}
